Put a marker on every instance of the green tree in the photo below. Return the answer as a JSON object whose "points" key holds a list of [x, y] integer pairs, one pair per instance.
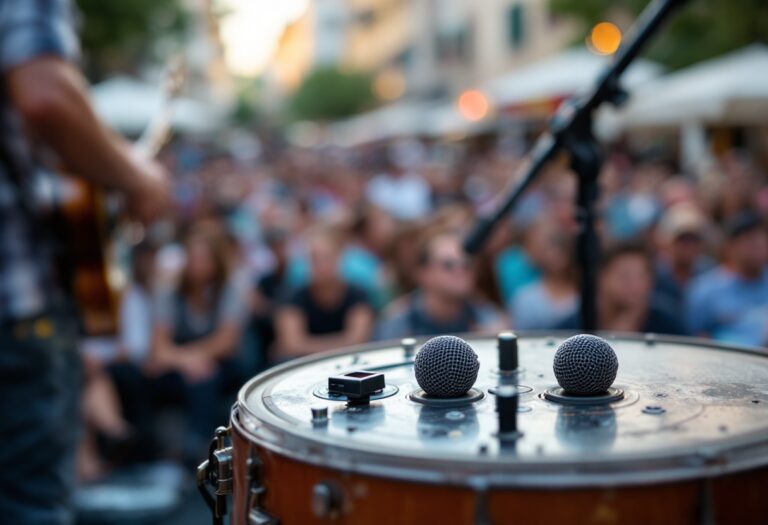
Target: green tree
{"points": [[328, 93], [120, 34], [700, 30]]}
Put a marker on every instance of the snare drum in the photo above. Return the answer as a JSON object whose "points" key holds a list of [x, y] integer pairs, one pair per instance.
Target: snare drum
{"points": [[687, 443]]}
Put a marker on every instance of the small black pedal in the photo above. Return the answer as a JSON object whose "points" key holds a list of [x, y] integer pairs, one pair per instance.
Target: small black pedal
{"points": [[357, 386]]}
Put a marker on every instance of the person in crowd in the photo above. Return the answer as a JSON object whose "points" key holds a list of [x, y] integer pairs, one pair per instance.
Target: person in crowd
{"points": [[444, 301], [266, 294], [547, 302], [730, 302], [196, 333], [401, 190], [680, 238], [136, 306], [625, 295], [403, 259], [109, 383], [327, 312]]}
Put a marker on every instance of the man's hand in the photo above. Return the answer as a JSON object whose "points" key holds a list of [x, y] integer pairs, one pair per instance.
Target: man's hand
{"points": [[152, 194]]}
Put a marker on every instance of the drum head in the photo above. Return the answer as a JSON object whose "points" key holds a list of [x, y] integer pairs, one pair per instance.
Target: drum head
{"points": [[688, 409]]}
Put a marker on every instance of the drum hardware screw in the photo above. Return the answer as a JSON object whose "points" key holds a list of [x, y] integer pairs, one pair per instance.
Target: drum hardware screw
{"points": [[319, 415], [409, 347], [755, 401], [661, 394], [506, 344], [541, 376], [326, 500], [654, 410], [650, 339], [351, 429]]}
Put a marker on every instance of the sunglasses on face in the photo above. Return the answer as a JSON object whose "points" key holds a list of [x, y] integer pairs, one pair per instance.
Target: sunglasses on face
{"points": [[452, 265]]}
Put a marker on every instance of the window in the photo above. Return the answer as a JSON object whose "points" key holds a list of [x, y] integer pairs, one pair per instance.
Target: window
{"points": [[516, 26], [453, 45]]}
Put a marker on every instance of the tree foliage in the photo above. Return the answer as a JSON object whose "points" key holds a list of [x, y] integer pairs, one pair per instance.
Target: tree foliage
{"points": [[119, 34], [328, 93], [701, 29]]}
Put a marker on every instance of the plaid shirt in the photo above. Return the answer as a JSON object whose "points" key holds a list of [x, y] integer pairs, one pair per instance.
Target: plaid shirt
{"points": [[28, 29]]}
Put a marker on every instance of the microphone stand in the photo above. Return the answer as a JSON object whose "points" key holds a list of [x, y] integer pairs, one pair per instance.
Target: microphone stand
{"points": [[571, 130]]}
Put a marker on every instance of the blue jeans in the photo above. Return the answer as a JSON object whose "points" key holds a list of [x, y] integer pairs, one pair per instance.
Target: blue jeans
{"points": [[40, 379]]}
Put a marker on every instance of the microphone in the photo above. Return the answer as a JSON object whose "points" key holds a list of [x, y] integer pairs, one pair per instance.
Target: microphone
{"points": [[446, 367], [585, 365]]}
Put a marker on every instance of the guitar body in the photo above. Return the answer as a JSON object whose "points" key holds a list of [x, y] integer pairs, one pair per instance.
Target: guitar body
{"points": [[85, 232]]}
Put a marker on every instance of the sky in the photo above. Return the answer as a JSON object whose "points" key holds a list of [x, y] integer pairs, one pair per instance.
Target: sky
{"points": [[252, 29]]}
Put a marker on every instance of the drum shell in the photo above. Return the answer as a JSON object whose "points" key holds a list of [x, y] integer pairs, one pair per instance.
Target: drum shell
{"points": [[734, 498]]}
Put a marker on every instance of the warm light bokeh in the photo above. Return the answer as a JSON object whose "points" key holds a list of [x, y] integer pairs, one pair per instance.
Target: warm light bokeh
{"points": [[605, 38], [473, 105], [389, 84], [251, 29]]}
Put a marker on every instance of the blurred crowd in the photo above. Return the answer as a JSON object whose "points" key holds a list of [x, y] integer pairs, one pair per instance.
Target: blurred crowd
{"points": [[293, 251]]}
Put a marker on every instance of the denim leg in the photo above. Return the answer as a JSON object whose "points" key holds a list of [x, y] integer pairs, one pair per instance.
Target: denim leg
{"points": [[40, 379]]}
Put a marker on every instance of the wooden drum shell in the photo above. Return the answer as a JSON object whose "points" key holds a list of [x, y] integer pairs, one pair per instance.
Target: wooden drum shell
{"points": [[736, 498]]}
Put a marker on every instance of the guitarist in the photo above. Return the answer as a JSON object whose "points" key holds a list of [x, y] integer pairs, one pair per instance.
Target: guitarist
{"points": [[44, 101]]}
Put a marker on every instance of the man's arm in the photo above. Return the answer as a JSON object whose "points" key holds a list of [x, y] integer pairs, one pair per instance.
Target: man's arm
{"points": [[51, 96]]}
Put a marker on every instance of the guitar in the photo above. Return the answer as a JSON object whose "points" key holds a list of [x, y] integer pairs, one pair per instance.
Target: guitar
{"points": [[89, 224]]}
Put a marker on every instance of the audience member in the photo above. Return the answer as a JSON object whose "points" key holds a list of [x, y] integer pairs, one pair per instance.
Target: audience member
{"points": [[327, 312], [444, 301], [547, 302], [196, 332], [136, 306], [400, 190], [680, 240], [624, 297], [269, 288], [730, 302]]}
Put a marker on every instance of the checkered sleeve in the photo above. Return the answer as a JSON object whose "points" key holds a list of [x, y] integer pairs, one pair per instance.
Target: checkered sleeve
{"points": [[35, 28]]}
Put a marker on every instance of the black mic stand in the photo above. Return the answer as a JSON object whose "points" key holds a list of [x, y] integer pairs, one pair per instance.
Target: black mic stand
{"points": [[571, 130]]}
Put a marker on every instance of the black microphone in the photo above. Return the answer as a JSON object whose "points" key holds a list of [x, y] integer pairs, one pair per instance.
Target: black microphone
{"points": [[446, 367], [585, 365]]}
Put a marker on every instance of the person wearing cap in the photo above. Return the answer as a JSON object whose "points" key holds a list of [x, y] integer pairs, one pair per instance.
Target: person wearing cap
{"points": [[730, 302], [680, 240]]}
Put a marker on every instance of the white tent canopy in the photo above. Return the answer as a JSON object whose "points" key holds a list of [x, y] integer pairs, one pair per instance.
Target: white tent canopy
{"points": [[563, 75], [128, 105], [731, 89], [401, 119]]}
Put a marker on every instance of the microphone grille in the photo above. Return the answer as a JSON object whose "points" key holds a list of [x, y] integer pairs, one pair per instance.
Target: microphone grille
{"points": [[585, 365], [446, 366]]}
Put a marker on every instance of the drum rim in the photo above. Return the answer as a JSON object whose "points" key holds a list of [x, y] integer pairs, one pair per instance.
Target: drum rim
{"points": [[735, 454]]}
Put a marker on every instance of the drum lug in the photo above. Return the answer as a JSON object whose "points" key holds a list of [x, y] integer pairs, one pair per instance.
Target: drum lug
{"points": [[254, 514], [216, 472]]}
